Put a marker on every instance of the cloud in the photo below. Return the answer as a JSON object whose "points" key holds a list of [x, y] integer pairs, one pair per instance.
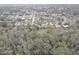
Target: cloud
{"points": [[39, 2]]}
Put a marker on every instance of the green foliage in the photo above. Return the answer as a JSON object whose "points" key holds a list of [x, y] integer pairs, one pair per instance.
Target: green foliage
{"points": [[43, 41]]}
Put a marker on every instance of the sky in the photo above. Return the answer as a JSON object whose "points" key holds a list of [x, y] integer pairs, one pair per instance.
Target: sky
{"points": [[39, 2]]}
